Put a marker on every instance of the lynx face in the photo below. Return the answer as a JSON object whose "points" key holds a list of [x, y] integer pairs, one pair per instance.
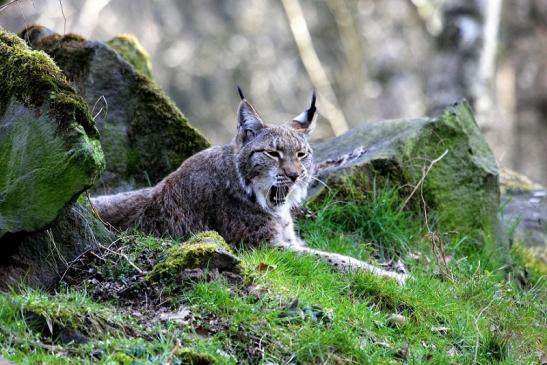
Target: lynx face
{"points": [[275, 163]]}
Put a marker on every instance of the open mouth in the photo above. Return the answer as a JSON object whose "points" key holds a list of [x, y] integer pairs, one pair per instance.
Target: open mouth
{"points": [[278, 194]]}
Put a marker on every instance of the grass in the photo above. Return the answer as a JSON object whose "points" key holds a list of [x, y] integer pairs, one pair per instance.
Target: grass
{"points": [[351, 224], [296, 309]]}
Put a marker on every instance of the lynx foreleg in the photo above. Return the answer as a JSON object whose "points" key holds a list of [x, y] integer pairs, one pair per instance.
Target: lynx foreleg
{"points": [[342, 262]]}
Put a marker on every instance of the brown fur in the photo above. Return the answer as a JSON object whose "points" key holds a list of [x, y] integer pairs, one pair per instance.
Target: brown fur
{"points": [[244, 190]]}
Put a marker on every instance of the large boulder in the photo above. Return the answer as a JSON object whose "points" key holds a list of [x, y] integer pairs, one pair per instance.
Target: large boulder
{"points": [[49, 146], [444, 159], [143, 134]]}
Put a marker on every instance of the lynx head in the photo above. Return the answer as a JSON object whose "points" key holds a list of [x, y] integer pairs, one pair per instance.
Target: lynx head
{"points": [[274, 162]]}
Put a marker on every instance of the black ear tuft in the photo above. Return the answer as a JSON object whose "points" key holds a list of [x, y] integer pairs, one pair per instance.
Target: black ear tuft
{"points": [[311, 110], [304, 122], [240, 93]]}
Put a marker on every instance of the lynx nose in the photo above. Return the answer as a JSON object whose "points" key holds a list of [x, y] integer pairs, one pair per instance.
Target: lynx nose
{"points": [[293, 175]]}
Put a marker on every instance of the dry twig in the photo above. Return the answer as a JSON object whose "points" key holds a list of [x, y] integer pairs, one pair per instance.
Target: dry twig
{"points": [[420, 182], [129, 261], [95, 115], [433, 237]]}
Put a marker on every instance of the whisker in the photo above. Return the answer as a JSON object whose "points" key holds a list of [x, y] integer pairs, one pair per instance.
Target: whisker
{"points": [[319, 181]]}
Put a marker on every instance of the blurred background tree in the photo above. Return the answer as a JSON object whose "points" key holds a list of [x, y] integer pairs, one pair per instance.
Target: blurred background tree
{"points": [[369, 60]]}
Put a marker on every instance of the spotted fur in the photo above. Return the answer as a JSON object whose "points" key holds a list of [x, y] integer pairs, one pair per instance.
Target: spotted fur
{"points": [[244, 190]]}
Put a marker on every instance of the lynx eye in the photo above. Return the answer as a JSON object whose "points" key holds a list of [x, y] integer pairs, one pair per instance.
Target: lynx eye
{"points": [[302, 154], [273, 154]]}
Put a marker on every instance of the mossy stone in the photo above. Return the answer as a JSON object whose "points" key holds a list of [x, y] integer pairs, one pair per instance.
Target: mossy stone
{"points": [[129, 47], [204, 250], [49, 147], [461, 189], [191, 357], [146, 135], [121, 359]]}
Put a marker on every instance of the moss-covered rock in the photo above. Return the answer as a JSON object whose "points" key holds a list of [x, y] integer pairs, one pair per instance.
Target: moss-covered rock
{"points": [[129, 47], [204, 250], [191, 357], [49, 146], [145, 135], [461, 189]]}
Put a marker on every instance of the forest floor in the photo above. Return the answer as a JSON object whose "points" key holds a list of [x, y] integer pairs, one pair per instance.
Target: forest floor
{"points": [[461, 304]]}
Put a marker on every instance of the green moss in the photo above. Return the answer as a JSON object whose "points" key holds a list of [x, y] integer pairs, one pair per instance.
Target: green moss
{"points": [[129, 47], [33, 79], [116, 148], [157, 121], [462, 187], [69, 52], [191, 357], [45, 161], [209, 237], [121, 358], [196, 252]]}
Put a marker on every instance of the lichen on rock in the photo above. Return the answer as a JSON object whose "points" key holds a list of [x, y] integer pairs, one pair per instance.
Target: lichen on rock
{"points": [[204, 250], [49, 147], [146, 135]]}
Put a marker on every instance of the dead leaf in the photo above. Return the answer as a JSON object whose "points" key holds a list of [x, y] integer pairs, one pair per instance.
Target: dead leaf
{"points": [[202, 331], [262, 266]]}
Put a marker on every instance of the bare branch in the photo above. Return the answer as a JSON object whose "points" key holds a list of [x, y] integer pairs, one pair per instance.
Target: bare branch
{"points": [[64, 17], [4, 7], [313, 66]]}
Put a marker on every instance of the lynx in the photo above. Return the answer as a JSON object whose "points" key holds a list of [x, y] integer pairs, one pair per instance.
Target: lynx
{"points": [[244, 190]]}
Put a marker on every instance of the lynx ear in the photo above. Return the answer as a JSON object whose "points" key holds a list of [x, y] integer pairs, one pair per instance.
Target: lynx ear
{"points": [[248, 121], [305, 122]]}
